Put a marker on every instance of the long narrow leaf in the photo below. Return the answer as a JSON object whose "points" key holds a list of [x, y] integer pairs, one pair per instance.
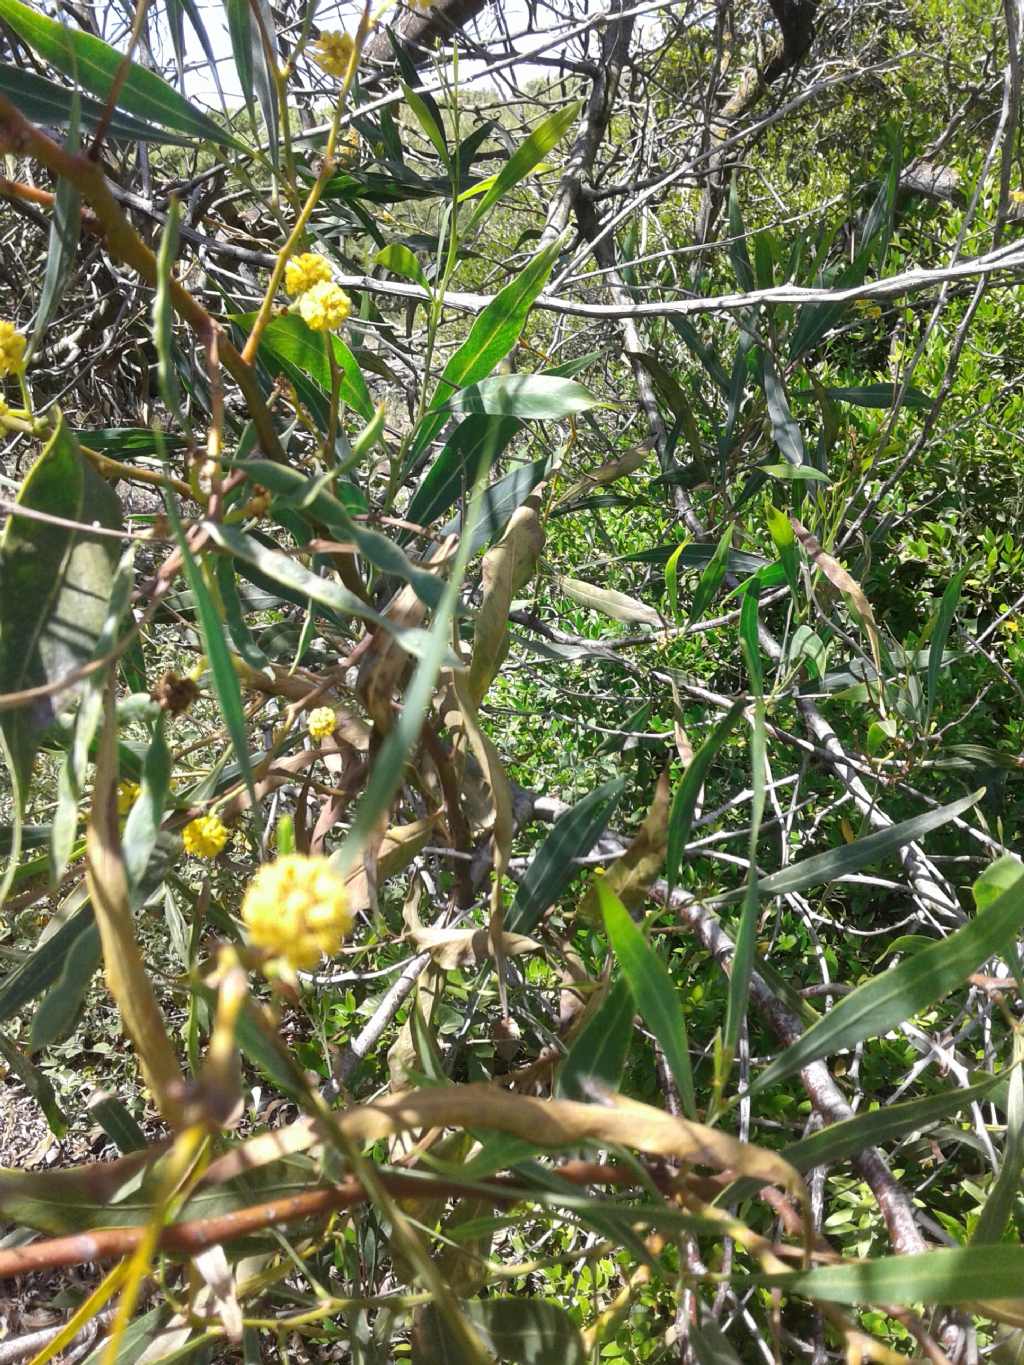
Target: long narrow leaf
{"points": [[898, 994]]}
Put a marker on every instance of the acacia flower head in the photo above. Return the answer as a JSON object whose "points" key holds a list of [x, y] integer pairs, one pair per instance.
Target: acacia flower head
{"points": [[321, 723], [1017, 196], [126, 794], [333, 52], [324, 307], [205, 836], [12, 348], [305, 270], [297, 908]]}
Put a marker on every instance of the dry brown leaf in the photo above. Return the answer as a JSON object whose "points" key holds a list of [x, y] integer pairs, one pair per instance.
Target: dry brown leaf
{"points": [[618, 605], [126, 974], [843, 580], [547, 1123], [507, 568], [451, 948], [631, 875], [626, 464], [400, 845]]}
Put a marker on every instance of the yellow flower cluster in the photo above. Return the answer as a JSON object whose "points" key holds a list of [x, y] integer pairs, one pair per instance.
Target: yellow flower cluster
{"points": [[324, 307], [1017, 196], [205, 836], [322, 722], [12, 349], [297, 908], [333, 52], [126, 795], [305, 270]]}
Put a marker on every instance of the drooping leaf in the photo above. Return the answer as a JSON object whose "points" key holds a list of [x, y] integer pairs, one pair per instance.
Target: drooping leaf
{"points": [[289, 347], [598, 1052], [940, 634], [685, 801], [520, 1331], [654, 992], [498, 503], [785, 430], [51, 104], [55, 584], [552, 868], [492, 336], [95, 65], [451, 474], [534, 396], [609, 602], [902, 991]]}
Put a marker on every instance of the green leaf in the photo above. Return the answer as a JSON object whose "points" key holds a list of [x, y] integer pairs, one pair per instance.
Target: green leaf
{"points": [[55, 584], [58, 1012], [401, 261], [868, 396], [498, 503], [654, 992], [746, 931], [684, 803], [873, 1127], [65, 226], [552, 867], [95, 65], [526, 156], [599, 1050], [43, 965], [804, 473], [312, 498], [289, 347], [308, 586], [749, 643], [71, 783], [903, 991], [51, 104], [143, 824], [960, 1275], [847, 858], [428, 116], [738, 242], [125, 443], [711, 578], [36, 1083], [521, 1331], [492, 336], [940, 634], [997, 878], [449, 477], [785, 431], [222, 669], [1002, 1197], [537, 396], [117, 1122]]}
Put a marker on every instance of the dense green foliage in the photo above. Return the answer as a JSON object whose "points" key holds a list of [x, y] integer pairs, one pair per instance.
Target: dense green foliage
{"points": [[549, 544]]}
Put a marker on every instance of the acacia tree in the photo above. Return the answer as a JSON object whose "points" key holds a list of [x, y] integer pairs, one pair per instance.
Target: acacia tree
{"points": [[497, 432]]}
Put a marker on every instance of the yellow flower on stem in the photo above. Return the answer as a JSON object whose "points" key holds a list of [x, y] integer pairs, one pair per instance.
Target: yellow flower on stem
{"points": [[324, 307], [127, 792], [333, 52], [297, 908], [205, 836], [305, 270], [322, 722], [12, 349], [1017, 196]]}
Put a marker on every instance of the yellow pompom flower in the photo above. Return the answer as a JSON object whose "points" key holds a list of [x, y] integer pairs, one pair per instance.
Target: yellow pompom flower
{"points": [[1017, 196], [297, 908], [333, 52], [205, 836], [12, 349], [126, 795], [322, 722], [324, 307], [305, 270]]}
